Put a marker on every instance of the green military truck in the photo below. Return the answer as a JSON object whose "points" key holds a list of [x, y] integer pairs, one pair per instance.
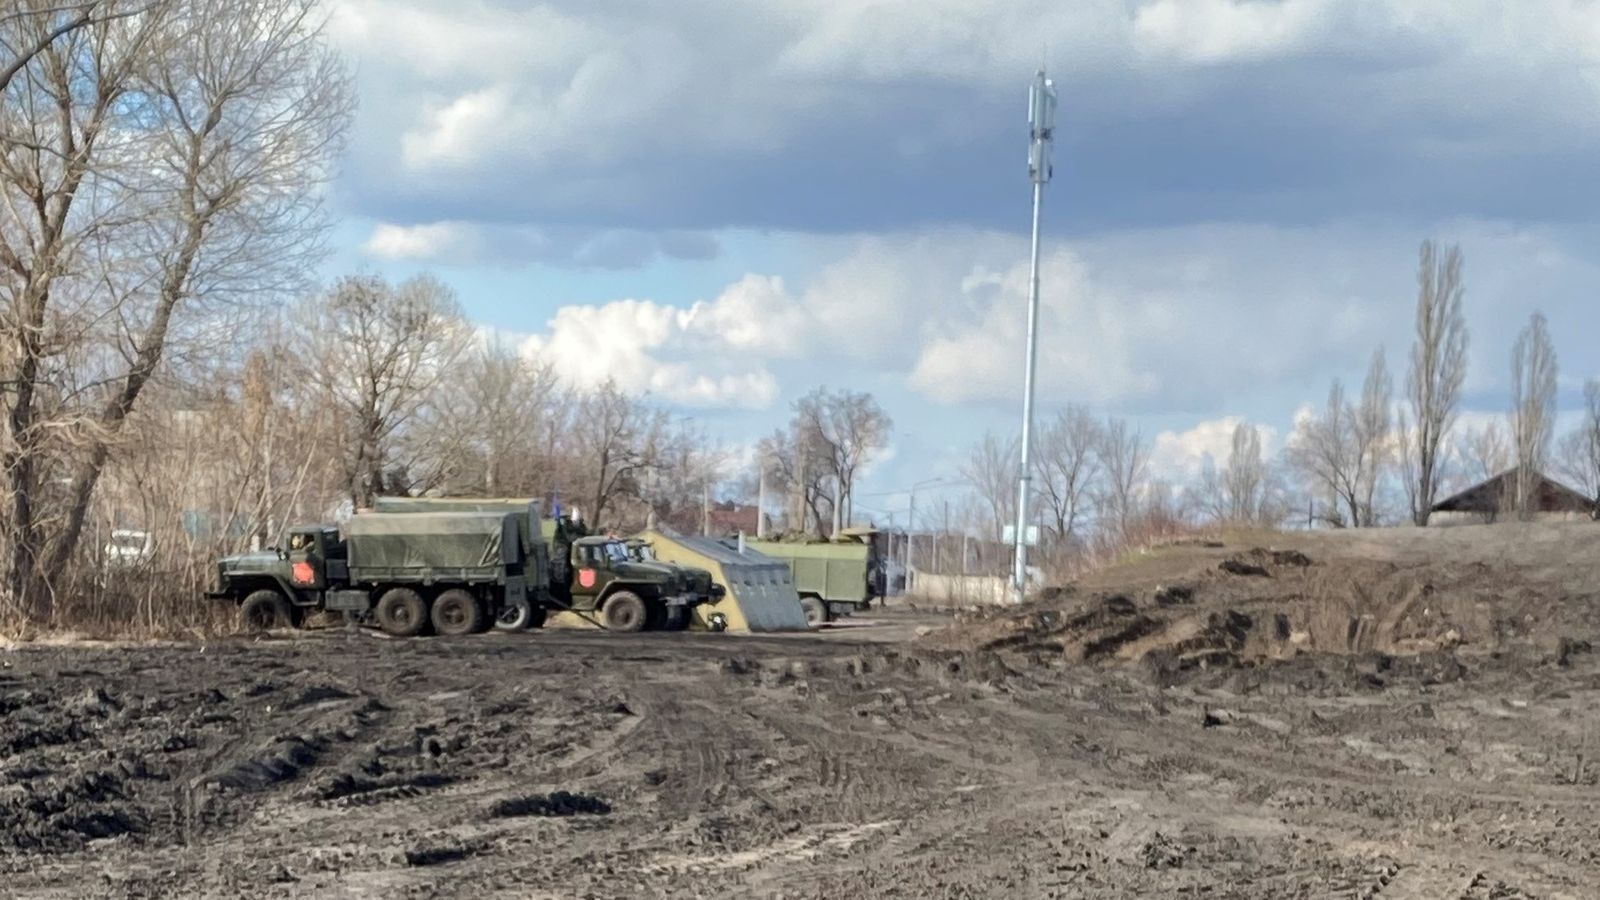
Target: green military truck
{"points": [[456, 572], [589, 575], [641, 550], [833, 578]]}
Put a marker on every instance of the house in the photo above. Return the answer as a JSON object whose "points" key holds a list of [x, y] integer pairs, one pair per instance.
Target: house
{"points": [[727, 518], [1496, 498]]}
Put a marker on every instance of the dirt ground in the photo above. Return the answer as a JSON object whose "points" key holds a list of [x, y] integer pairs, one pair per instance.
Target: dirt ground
{"points": [[1374, 714]]}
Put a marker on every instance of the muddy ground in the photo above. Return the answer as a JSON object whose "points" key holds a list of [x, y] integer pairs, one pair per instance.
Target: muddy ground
{"points": [[1396, 715]]}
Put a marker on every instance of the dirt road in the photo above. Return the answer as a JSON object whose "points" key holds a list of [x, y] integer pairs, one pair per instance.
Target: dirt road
{"points": [[855, 763]]}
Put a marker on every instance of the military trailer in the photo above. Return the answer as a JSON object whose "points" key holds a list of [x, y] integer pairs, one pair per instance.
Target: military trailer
{"points": [[456, 572], [588, 578], [833, 578]]}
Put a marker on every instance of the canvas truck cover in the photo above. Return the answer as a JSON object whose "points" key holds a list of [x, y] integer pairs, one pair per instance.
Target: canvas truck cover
{"points": [[532, 527], [833, 571], [760, 594], [437, 541]]}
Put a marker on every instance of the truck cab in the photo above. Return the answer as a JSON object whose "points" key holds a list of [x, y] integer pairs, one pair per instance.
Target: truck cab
{"points": [[629, 594]]}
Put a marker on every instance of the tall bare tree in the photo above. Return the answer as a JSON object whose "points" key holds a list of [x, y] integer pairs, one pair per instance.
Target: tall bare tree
{"points": [[1068, 469], [1323, 449], [617, 441], [798, 470], [1247, 474], [1578, 455], [991, 469], [158, 161], [1124, 460], [1438, 369], [1372, 425], [382, 355], [848, 428], [1533, 406]]}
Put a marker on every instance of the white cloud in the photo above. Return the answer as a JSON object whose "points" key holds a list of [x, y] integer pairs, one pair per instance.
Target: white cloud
{"points": [[1211, 31], [1179, 456], [465, 243], [432, 241]]}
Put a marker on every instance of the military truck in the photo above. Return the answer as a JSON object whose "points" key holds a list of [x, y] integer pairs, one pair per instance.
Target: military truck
{"points": [[627, 595], [642, 550], [833, 578], [456, 572], [590, 575]]}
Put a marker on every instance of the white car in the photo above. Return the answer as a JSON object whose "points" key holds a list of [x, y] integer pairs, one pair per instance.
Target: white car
{"points": [[128, 547]]}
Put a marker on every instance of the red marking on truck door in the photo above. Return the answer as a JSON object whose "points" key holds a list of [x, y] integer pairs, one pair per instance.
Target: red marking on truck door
{"points": [[302, 573], [586, 578]]}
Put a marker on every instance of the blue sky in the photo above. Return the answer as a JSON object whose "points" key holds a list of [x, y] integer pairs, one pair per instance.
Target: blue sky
{"points": [[727, 203]]}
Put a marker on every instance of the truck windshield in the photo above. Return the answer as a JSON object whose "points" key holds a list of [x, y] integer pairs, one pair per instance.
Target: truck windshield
{"points": [[615, 552]]}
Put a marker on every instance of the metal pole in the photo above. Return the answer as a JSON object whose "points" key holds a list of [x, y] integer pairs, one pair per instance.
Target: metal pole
{"points": [[761, 502], [1041, 121], [1019, 575], [911, 525]]}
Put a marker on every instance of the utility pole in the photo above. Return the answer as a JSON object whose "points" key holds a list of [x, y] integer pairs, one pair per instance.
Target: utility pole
{"points": [[1041, 127], [761, 501], [911, 522]]}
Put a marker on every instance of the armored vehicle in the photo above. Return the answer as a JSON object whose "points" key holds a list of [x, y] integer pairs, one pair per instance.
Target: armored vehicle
{"points": [[456, 572]]}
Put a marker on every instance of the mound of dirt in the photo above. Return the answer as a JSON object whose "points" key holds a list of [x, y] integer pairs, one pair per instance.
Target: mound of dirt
{"points": [[1231, 606]]}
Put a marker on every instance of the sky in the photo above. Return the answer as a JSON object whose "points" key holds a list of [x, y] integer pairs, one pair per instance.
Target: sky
{"points": [[726, 204]]}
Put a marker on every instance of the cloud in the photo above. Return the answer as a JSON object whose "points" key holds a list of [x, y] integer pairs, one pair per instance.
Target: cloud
{"points": [[1179, 456], [465, 243], [1210, 31], [897, 114]]}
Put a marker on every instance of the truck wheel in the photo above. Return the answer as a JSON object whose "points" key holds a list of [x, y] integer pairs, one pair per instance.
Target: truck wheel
{"points": [[486, 618], [624, 611], [402, 612], [515, 616], [265, 610], [655, 616], [816, 610], [677, 618], [456, 612]]}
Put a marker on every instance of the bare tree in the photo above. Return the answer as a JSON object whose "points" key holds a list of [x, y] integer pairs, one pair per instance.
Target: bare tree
{"points": [[799, 470], [1485, 452], [847, 428], [1323, 450], [1438, 369], [617, 439], [1371, 429], [1124, 459], [1578, 454], [382, 354], [1068, 469], [153, 167], [1533, 406], [500, 402], [991, 469], [1247, 474]]}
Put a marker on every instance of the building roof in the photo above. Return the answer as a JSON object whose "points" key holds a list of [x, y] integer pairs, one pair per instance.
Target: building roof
{"points": [[1486, 496]]}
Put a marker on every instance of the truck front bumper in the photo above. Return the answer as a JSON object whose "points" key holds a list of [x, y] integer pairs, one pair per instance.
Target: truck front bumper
{"points": [[684, 599]]}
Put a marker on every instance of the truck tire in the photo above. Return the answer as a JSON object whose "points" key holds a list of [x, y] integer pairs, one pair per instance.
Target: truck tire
{"points": [[456, 612], [486, 618], [677, 618], [625, 612], [402, 612], [816, 610], [265, 610], [515, 616]]}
